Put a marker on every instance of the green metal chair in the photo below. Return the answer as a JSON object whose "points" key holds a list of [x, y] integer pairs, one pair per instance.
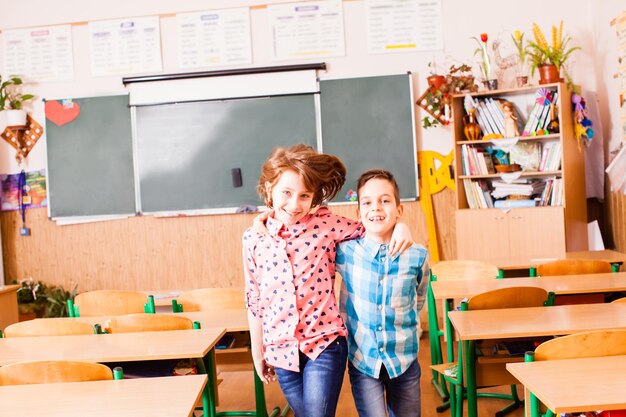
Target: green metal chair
{"points": [[513, 297], [579, 345], [448, 270]]}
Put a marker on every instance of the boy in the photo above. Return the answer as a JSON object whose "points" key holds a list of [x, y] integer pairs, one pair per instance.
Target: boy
{"points": [[381, 297]]}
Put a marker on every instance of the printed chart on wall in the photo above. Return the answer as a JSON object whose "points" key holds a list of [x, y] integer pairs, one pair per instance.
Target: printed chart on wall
{"points": [[307, 30], [125, 46], [42, 53], [403, 26], [212, 38]]}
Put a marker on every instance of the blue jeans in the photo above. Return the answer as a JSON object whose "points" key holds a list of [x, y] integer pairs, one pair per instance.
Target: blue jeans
{"points": [[314, 391], [402, 392]]}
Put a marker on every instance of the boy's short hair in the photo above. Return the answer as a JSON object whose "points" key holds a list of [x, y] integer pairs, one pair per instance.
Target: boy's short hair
{"points": [[381, 174]]}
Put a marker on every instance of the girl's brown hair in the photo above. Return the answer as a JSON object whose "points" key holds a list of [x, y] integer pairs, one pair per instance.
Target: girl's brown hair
{"points": [[322, 174]]}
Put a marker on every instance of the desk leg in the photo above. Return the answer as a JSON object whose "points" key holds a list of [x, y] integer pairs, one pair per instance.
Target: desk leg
{"points": [[472, 406], [206, 366]]}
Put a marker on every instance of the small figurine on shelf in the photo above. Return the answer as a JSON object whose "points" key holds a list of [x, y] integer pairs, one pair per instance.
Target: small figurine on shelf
{"points": [[510, 121], [553, 126]]}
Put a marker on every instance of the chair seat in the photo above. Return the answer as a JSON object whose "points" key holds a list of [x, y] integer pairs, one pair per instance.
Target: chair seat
{"points": [[448, 370]]}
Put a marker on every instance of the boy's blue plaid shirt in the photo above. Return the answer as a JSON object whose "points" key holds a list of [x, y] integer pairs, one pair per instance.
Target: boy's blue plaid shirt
{"points": [[381, 297]]}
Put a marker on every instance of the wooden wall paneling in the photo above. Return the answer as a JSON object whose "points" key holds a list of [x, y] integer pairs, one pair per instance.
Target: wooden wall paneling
{"points": [[144, 253]]}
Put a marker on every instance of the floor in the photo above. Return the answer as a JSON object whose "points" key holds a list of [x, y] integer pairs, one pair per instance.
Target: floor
{"points": [[236, 392]]}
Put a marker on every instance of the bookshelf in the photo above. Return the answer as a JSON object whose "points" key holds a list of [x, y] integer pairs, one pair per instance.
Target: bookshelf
{"points": [[543, 213]]}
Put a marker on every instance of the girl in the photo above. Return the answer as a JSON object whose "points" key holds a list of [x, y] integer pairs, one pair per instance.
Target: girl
{"points": [[295, 327]]}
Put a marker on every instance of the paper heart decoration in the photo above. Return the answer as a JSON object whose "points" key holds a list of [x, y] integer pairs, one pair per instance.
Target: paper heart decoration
{"points": [[60, 114]]}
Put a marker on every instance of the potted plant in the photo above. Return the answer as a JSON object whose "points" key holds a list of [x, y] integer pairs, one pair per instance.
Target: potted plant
{"points": [[485, 65], [12, 100], [36, 299], [518, 41], [549, 59], [440, 91]]}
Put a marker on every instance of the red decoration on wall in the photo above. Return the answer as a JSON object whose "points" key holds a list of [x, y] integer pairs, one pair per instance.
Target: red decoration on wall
{"points": [[60, 114]]}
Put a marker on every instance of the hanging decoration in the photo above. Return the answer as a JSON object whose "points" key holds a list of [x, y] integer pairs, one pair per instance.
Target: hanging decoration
{"points": [[23, 140], [582, 123]]}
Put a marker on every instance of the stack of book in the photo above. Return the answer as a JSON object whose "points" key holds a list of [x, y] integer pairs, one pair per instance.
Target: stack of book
{"points": [[524, 187]]}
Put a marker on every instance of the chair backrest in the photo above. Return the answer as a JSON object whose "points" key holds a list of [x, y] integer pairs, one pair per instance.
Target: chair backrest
{"points": [[110, 302], [573, 267], [141, 322], [512, 297], [583, 345], [205, 299], [47, 327], [620, 300], [455, 270], [46, 372]]}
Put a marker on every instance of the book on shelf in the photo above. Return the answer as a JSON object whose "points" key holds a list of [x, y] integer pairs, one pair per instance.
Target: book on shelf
{"points": [[514, 203], [496, 112], [532, 116], [483, 189], [469, 193], [492, 126], [480, 119]]}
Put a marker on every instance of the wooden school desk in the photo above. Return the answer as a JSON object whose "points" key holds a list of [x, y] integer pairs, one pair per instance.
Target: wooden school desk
{"points": [[8, 305], [234, 359], [122, 347], [143, 397], [558, 284], [575, 385], [513, 263], [528, 322]]}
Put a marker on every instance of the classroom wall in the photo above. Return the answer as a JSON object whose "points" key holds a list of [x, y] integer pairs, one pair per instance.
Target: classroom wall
{"points": [[145, 252], [609, 86]]}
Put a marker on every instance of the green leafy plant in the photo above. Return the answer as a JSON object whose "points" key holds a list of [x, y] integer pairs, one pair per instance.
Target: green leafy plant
{"points": [[540, 52], [43, 300], [11, 97]]}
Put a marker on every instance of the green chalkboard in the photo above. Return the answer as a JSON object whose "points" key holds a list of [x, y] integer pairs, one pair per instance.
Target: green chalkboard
{"points": [[368, 122], [186, 152], [90, 160]]}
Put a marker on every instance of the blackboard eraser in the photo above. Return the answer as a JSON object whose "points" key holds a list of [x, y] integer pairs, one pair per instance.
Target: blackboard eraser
{"points": [[237, 180]]}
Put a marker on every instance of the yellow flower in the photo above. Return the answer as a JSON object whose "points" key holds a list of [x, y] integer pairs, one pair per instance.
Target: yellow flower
{"points": [[518, 35], [539, 38]]}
